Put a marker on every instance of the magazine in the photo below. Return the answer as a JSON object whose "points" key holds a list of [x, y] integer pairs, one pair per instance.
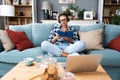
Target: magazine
{"points": [[66, 33]]}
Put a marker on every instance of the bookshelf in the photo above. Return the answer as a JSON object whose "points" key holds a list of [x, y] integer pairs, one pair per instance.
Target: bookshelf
{"points": [[24, 13], [109, 10]]}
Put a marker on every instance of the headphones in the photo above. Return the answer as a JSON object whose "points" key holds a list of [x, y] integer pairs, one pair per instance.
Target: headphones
{"points": [[63, 14]]}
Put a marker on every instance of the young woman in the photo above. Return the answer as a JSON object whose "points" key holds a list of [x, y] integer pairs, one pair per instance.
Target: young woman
{"points": [[62, 45]]}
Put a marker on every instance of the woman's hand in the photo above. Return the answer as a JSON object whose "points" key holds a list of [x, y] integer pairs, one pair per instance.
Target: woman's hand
{"points": [[68, 39], [55, 39]]}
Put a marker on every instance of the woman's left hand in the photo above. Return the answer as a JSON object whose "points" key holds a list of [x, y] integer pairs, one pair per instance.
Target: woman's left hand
{"points": [[68, 39]]}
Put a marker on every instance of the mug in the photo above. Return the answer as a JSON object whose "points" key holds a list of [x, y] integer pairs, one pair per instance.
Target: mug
{"points": [[28, 61]]}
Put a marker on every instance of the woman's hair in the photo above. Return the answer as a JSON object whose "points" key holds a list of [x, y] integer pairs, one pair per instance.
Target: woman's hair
{"points": [[63, 14]]}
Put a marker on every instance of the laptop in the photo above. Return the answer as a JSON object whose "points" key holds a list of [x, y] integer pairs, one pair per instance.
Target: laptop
{"points": [[83, 63]]}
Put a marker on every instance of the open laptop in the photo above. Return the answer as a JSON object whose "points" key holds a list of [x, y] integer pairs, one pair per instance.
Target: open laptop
{"points": [[83, 63]]}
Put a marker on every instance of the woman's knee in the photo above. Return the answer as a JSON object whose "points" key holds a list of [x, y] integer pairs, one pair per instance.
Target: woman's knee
{"points": [[82, 44], [44, 44]]}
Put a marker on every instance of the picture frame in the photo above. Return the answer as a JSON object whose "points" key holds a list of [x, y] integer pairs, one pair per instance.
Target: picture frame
{"points": [[54, 15], [117, 12], [88, 15], [67, 1], [15, 2]]}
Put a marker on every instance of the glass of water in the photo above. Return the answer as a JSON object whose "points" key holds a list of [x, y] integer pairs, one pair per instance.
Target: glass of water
{"points": [[39, 58]]}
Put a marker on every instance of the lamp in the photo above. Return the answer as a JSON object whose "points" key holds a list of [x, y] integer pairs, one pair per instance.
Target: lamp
{"points": [[7, 11], [46, 6]]}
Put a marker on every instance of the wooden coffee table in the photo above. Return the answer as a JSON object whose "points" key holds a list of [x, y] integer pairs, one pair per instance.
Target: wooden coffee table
{"points": [[23, 72]]}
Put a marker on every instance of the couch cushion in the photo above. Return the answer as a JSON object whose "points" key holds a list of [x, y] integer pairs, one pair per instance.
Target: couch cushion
{"points": [[40, 32], [19, 39], [93, 39], [111, 31], [110, 57], [6, 41], [115, 43], [25, 28], [15, 56], [91, 27]]}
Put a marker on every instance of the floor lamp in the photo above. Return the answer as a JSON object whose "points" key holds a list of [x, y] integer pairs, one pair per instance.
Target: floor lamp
{"points": [[46, 6], [7, 11]]}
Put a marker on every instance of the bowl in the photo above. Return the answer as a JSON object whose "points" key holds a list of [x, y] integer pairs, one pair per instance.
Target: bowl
{"points": [[28, 61]]}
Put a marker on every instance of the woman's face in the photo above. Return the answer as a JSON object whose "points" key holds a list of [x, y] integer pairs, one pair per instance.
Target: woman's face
{"points": [[63, 20]]}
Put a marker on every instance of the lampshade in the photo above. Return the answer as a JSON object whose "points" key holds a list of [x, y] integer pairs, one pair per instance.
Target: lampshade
{"points": [[46, 5], [7, 10]]}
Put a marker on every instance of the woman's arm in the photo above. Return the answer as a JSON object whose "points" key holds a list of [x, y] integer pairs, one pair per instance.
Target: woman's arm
{"points": [[69, 40], [54, 39]]}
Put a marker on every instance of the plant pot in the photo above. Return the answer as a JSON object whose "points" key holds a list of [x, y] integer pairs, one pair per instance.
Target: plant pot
{"points": [[71, 17]]}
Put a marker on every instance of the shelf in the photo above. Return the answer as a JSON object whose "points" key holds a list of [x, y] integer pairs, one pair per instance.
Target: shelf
{"points": [[74, 22], [23, 5], [23, 16], [109, 10], [112, 4], [108, 16]]}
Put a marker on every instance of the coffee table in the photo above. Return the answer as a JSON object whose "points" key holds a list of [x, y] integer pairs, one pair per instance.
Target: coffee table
{"points": [[23, 72]]}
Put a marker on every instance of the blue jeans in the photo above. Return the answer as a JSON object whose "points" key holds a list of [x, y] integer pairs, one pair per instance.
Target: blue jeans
{"points": [[56, 50]]}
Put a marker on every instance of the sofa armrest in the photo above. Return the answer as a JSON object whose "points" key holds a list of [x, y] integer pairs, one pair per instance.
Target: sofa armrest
{"points": [[1, 47]]}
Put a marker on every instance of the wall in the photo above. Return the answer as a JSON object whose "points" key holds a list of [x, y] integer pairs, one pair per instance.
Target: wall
{"points": [[87, 4], [1, 19]]}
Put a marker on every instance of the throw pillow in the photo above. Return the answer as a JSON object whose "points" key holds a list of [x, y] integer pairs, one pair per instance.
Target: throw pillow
{"points": [[111, 32], [115, 43], [20, 39], [6, 41], [92, 38]]}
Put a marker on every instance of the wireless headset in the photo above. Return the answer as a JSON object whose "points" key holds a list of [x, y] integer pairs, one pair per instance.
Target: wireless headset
{"points": [[63, 14]]}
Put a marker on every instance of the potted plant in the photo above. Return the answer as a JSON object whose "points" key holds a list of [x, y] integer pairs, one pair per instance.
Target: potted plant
{"points": [[116, 20], [71, 9], [81, 14]]}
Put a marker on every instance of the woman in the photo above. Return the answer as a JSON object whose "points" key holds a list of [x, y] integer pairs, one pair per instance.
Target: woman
{"points": [[62, 45]]}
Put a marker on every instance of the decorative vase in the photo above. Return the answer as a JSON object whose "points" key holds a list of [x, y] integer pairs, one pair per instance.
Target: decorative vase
{"points": [[71, 17], [23, 2], [75, 15]]}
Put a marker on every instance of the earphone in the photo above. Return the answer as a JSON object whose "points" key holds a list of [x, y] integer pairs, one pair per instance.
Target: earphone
{"points": [[63, 14]]}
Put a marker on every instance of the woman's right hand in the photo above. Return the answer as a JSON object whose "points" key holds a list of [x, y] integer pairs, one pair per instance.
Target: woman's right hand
{"points": [[55, 39]]}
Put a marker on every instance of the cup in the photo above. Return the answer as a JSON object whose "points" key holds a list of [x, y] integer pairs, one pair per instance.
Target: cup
{"points": [[28, 61]]}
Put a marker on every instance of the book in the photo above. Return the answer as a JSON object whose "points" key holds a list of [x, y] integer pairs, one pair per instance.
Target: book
{"points": [[106, 12], [66, 33]]}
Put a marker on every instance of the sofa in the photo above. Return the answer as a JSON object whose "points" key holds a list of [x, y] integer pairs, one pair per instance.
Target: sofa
{"points": [[38, 32]]}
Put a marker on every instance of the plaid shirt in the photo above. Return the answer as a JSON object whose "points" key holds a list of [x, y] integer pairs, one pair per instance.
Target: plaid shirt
{"points": [[57, 27]]}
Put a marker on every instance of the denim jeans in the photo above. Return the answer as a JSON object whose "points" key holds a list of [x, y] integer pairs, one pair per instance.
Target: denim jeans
{"points": [[56, 50]]}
